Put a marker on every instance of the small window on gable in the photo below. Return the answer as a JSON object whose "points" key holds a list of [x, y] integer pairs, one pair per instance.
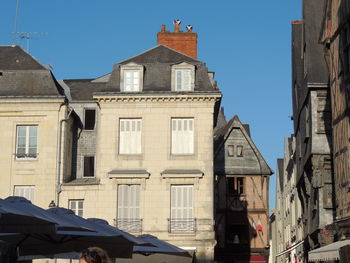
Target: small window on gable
{"points": [[89, 119], [182, 77], [239, 150], [230, 150], [131, 78]]}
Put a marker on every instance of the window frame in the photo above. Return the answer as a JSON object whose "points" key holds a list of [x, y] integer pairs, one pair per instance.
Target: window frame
{"points": [[182, 67], [131, 67], [94, 166], [89, 109], [77, 209], [237, 185], [26, 155], [139, 138], [173, 136], [182, 224], [23, 188], [130, 219]]}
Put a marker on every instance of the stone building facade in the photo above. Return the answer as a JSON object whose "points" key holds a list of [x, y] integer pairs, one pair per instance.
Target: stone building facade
{"points": [[152, 147], [288, 243], [241, 195], [311, 109], [35, 118]]}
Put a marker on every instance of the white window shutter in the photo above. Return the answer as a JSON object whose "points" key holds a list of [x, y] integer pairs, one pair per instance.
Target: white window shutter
{"points": [[182, 141], [182, 201], [130, 136], [128, 201]]}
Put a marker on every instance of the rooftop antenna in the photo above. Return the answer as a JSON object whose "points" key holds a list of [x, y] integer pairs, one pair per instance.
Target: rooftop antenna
{"points": [[22, 35], [26, 36], [15, 25]]}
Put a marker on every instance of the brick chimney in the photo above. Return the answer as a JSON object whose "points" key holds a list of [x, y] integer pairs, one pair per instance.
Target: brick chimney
{"points": [[184, 42]]}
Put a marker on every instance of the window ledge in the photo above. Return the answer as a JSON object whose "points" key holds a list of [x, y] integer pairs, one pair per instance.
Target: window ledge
{"points": [[83, 181], [143, 173], [174, 173]]}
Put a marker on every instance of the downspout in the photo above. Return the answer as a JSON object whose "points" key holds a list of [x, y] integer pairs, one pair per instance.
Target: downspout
{"points": [[58, 159]]}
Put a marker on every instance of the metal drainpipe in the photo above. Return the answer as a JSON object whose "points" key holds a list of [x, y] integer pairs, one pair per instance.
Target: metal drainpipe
{"points": [[59, 161]]}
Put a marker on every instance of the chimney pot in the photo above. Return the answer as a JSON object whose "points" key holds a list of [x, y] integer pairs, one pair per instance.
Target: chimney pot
{"points": [[163, 28]]}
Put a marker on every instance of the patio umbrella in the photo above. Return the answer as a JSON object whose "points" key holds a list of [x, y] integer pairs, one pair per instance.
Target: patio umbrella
{"points": [[17, 214], [63, 241], [29, 218], [104, 227], [159, 247]]}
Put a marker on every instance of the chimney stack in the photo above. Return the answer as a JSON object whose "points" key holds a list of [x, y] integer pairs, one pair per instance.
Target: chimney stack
{"points": [[183, 42]]}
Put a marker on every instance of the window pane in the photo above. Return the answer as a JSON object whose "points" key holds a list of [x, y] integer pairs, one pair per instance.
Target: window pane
{"points": [[90, 119], [21, 142], [186, 80], [178, 80], [21, 130], [89, 166]]}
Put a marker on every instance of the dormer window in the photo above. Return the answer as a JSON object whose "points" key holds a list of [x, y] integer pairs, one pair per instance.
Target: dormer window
{"points": [[182, 77], [131, 79]]}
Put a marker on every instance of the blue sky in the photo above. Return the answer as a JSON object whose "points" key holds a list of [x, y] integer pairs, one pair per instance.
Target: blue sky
{"points": [[247, 44]]}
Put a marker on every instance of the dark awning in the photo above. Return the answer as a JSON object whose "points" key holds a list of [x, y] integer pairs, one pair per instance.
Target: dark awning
{"points": [[329, 252]]}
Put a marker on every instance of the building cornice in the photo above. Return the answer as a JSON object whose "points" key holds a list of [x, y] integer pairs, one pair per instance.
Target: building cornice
{"points": [[126, 98]]}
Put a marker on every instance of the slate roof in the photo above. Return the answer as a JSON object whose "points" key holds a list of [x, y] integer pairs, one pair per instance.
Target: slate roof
{"points": [[83, 89], [223, 133], [15, 58], [23, 76], [157, 64]]}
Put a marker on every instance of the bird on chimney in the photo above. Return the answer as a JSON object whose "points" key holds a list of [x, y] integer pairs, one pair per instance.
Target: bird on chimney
{"points": [[189, 28], [177, 22]]}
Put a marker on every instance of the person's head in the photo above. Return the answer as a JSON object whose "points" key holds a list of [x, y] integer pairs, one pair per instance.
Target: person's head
{"points": [[94, 255]]}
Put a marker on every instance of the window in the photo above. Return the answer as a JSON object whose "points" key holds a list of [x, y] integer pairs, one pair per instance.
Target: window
{"points": [[26, 144], [182, 77], [131, 78], [26, 191], [77, 206], [130, 136], [182, 80], [89, 166], [235, 185], [129, 208], [230, 150], [181, 217], [89, 119], [239, 151], [182, 136]]}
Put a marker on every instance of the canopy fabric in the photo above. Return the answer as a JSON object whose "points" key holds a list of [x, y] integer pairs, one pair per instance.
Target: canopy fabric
{"points": [[159, 247], [329, 252], [20, 215], [63, 241], [103, 226]]}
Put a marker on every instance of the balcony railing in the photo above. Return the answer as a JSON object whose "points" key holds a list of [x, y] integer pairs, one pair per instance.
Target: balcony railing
{"points": [[129, 224], [181, 225]]}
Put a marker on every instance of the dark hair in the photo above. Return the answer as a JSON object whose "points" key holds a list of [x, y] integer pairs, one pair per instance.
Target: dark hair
{"points": [[95, 255]]}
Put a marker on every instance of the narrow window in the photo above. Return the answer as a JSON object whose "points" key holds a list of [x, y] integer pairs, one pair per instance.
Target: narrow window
{"points": [[89, 166], [181, 217], [77, 206], [26, 191], [129, 208], [183, 80], [239, 150], [89, 119], [235, 185], [130, 136], [26, 141], [230, 150], [132, 80], [182, 136]]}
